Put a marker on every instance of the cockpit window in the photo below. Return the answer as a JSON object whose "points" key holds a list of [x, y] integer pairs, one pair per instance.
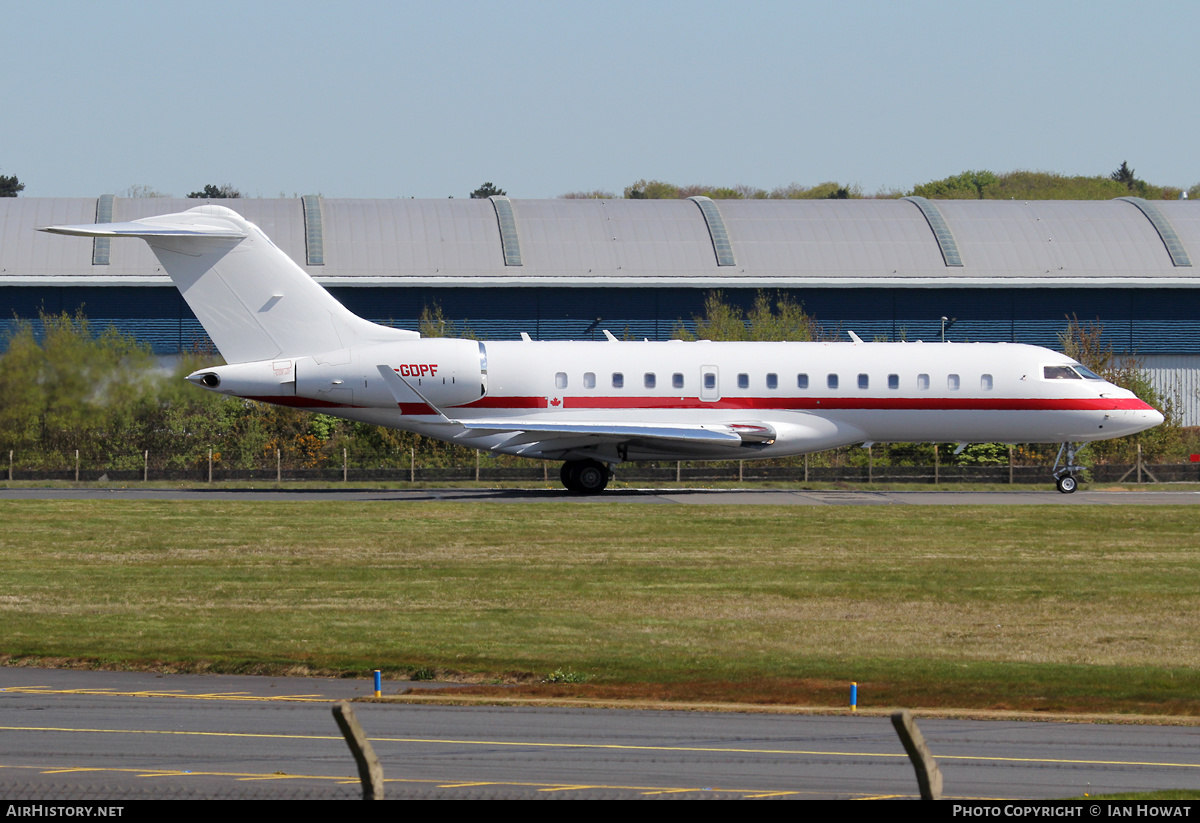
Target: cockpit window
{"points": [[1088, 373], [1059, 373]]}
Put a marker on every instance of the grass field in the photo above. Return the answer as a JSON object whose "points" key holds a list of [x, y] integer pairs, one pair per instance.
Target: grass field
{"points": [[1048, 608]]}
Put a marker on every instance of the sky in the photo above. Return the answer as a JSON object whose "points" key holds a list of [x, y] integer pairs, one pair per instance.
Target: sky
{"points": [[431, 99]]}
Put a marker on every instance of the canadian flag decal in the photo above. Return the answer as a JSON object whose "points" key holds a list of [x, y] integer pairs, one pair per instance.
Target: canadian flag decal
{"points": [[556, 402]]}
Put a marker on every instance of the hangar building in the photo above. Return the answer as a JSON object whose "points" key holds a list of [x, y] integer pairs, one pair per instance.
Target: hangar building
{"points": [[568, 269]]}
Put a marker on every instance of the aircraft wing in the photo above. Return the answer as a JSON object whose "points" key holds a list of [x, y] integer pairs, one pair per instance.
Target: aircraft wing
{"points": [[573, 434], [607, 431]]}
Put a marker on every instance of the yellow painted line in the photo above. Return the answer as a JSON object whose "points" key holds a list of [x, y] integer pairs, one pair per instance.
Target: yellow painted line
{"points": [[465, 785], [769, 794], [345, 780], [179, 695], [678, 791], [68, 771], [614, 747]]}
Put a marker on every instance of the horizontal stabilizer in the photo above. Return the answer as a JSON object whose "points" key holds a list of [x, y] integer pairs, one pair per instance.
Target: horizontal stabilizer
{"points": [[140, 229]]}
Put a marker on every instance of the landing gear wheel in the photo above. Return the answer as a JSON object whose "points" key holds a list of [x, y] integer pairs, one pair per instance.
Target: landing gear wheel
{"points": [[1066, 484], [585, 476]]}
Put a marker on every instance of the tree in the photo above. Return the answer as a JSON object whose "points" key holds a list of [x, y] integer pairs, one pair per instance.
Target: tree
{"points": [[433, 323], [485, 191], [652, 190], [211, 192], [594, 194], [139, 190], [970, 185], [1125, 176], [774, 317], [10, 185]]}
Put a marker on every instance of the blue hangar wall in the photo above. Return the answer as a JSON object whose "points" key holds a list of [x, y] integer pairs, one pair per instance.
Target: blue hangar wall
{"points": [[1141, 321]]}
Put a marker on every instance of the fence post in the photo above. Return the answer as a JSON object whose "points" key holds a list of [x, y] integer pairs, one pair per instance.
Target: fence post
{"points": [[10, 454], [1010, 470], [210, 464], [370, 772], [146, 466], [412, 465], [741, 463], [929, 776], [935, 464], [77, 465], [345, 469], [806, 468], [477, 467], [678, 467], [871, 464], [278, 467]]}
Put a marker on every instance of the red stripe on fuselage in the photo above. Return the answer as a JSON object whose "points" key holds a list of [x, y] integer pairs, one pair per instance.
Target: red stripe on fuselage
{"points": [[825, 403]]}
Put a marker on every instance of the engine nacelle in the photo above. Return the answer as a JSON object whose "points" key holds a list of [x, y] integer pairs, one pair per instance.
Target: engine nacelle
{"points": [[264, 378], [447, 372]]}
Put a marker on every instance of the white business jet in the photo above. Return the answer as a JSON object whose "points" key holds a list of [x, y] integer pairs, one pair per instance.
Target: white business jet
{"points": [[596, 404]]}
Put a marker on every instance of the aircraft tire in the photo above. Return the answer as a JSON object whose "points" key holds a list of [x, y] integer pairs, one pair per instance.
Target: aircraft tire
{"points": [[1066, 484], [592, 477], [568, 474], [585, 476]]}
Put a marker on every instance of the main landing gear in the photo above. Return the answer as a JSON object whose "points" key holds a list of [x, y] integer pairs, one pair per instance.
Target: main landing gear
{"points": [[585, 476], [1064, 478]]}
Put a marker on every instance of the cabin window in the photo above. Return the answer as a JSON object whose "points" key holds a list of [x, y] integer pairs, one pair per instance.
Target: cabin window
{"points": [[831, 381], [893, 381], [677, 380], [560, 380], [743, 381], [710, 380], [923, 382], [618, 380], [802, 381], [589, 380], [864, 382], [648, 380], [985, 382], [1059, 373], [952, 382], [772, 381]]}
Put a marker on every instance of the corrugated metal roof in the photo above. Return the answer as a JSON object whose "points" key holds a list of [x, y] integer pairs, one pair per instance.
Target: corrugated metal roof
{"points": [[784, 243]]}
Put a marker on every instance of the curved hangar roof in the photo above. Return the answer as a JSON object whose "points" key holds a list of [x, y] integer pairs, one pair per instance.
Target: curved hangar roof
{"points": [[696, 242]]}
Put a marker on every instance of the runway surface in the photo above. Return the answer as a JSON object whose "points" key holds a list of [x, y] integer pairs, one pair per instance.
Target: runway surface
{"points": [[103, 735], [739, 497]]}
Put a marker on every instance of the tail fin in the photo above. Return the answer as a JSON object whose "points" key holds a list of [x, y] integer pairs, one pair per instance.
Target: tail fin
{"points": [[252, 299]]}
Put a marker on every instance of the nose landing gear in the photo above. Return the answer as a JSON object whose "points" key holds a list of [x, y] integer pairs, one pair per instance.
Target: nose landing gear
{"points": [[585, 476], [1064, 478]]}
